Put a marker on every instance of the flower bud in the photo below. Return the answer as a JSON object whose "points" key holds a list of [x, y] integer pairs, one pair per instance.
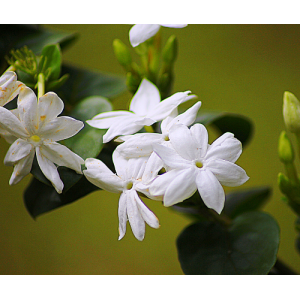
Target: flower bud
{"points": [[285, 149], [169, 52], [122, 53], [291, 112]]}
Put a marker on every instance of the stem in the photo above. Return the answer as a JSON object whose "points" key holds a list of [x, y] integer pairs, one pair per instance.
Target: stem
{"points": [[292, 173], [10, 68], [41, 85]]}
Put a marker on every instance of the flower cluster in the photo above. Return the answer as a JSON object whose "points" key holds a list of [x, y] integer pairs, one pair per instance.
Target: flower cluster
{"points": [[169, 165]]}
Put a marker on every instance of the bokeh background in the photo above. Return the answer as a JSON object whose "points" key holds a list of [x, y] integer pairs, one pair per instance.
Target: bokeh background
{"points": [[242, 69]]}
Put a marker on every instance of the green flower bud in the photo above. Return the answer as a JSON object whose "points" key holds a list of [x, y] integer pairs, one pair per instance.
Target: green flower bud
{"points": [[285, 149], [122, 53], [291, 112], [132, 81], [169, 52], [284, 184]]}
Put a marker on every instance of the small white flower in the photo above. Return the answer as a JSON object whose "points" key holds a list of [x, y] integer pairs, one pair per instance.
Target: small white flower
{"points": [[36, 129], [139, 33], [9, 87], [131, 207], [197, 165], [145, 109]]}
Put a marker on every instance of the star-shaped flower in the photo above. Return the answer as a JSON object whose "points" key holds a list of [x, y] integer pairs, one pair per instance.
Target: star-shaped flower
{"points": [[131, 207], [197, 165], [37, 128], [139, 33], [9, 87], [145, 109]]}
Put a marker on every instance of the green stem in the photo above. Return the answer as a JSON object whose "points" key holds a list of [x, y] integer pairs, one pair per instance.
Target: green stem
{"points": [[41, 85], [292, 173], [10, 68]]}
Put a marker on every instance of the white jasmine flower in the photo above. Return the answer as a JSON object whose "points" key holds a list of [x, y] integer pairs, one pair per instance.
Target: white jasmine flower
{"points": [[197, 165], [145, 109], [9, 87], [139, 33], [36, 129], [141, 144], [131, 207]]}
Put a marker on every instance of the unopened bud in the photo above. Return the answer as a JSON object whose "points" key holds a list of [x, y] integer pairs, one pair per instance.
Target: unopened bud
{"points": [[169, 52], [291, 112], [122, 53], [132, 82], [285, 149]]}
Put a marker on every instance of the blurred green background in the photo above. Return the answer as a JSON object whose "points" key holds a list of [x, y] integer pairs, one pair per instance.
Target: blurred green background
{"points": [[235, 68]]}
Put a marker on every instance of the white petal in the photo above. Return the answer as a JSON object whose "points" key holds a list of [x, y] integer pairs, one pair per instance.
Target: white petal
{"points": [[50, 171], [210, 190], [122, 213], [9, 87], [62, 156], [200, 135], [159, 186], [141, 144], [50, 106], [183, 142], [182, 187], [134, 216], [189, 116], [101, 176], [171, 158], [148, 216], [174, 25], [226, 147], [145, 99], [139, 33], [228, 173], [18, 150], [28, 110], [123, 127], [22, 168], [10, 123], [165, 107], [60, 128], [154, 165], [107, 119]]}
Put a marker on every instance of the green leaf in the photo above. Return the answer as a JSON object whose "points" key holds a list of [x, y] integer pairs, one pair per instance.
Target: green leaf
{"points": [[83, 83], [51, 61], [88, 142], [246, 200], [240, 126], [247, 247]]}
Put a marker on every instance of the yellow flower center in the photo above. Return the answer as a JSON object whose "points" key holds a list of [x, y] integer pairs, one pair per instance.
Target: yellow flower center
{"points": [[199, 164], [35, 138], [129, 185]]}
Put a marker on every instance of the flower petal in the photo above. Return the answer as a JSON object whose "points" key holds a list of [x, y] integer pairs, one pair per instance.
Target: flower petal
{"points": [[174, 25], [22, 168], [200, 135], [49, 170], [153, 166], [60, 128], [9, 87], [139, 33], [165, 107], [182, 187], [10, 123], [101, 176], [183, 142], [228, 173], [145, 99], [18, 150], [210, 190], [226, 147], [107, 119], [140, 144], [148, 216], [62, 156], [171, 158], [50, 106], [28, 110], [136, 221], [122, 213]]}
